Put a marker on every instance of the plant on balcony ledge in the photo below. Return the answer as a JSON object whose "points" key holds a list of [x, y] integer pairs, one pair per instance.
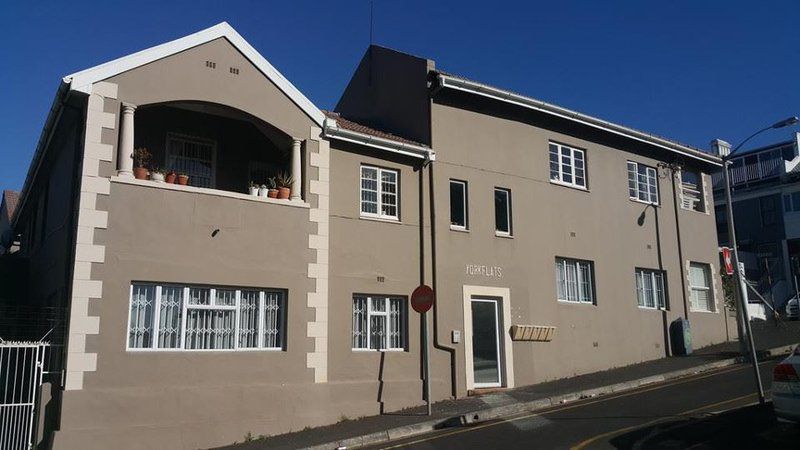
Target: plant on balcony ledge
{"points": [[272, 192], [157, 175], [141, 158], [171, 177], [263, 191], [254, 188], [284, 183], [183, 179]]}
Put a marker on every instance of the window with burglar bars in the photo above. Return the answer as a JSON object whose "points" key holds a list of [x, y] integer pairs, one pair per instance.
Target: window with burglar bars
{"points": [[379, 323], [692, 194], [702, 298], [379, 195], [193, 156], [574, 280], [642, 183], [567, 165], [175, 317], [650, 289]]}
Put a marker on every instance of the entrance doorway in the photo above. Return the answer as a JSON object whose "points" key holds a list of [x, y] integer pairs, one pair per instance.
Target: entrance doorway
{"points": [[486, 342]]}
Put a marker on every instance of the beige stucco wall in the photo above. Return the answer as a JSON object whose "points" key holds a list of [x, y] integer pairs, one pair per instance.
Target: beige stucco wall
{"points": [[551, 220]]}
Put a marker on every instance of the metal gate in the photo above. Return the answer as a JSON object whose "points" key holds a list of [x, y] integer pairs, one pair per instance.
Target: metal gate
{"points": [[21, 367]]}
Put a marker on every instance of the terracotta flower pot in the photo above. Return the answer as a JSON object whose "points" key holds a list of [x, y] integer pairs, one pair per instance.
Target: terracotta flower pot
{"points": [[183, 180], [273, 193], [284, 193], [170, 177], [140, 173]]}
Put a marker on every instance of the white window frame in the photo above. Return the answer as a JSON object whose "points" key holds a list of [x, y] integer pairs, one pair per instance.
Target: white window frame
{"points": [[188, 138], [571, 163], [510, 230], [390, 327], [464, 199], [691, 197], [281, 320], [379, 192], [638, 188], [647, 278], [693, 288], [573, 294]]}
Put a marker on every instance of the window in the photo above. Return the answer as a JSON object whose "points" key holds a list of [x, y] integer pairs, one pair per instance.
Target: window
{"points": [[167, 316], [502, 212], [650, 289], [642, 183], [379, 192], [195, 157], [768, 211], [692, 191], [700, 287], [567, 166], [574, 280], [379, 323], [458, 205]]}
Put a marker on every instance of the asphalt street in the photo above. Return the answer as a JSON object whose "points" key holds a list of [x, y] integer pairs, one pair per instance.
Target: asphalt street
{"points": [[710, 410]]}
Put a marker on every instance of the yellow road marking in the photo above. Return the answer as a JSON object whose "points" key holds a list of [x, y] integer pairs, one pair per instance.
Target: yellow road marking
{"points": [[682, 380], [585, 443]]}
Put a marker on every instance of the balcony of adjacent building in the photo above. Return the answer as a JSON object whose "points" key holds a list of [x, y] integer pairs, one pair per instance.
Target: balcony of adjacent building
{"points": [[209, 148], [762, 166]]}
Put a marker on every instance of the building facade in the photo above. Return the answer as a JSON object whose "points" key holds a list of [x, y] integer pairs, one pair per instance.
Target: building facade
{"points": [[765, 192], [557, 244]]}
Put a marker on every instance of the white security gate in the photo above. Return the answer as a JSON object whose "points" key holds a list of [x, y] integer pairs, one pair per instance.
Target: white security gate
{"points": [[21, 366]]}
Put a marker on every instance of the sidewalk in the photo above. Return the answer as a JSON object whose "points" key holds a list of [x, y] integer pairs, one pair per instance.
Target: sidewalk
{"points": [[770, 340]]}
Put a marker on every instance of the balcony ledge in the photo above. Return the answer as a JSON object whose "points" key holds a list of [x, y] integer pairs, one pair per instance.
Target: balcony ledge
{"points": [[207, 191]]}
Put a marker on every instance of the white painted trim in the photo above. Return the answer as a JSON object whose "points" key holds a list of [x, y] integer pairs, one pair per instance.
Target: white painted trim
{"points": [[504, 294], [451, 82], [82, 81], [332, 131]]}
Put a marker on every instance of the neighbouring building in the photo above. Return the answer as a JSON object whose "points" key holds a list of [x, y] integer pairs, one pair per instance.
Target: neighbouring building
{"points": [[557, 243], [8, 205], [765, 191]]}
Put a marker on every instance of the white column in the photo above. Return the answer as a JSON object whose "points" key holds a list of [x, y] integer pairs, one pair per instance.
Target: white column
{"points": [[297, 170], [125, 151]]}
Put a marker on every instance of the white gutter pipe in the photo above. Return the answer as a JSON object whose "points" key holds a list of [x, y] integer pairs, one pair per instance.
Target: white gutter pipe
{"points": [[415, 151], [447, 81]]}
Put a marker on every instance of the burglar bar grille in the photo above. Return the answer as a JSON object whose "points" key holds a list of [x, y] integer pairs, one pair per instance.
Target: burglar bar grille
{"points": [[21, 367]]}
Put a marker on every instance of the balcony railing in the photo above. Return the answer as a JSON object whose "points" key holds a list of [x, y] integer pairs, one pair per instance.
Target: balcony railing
{"points": [[753, 168]]}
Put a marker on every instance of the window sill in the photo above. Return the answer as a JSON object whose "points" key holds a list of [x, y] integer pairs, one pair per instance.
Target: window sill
{"points": [[567, 302], [372, 350], [500, 234], [380, 219], [208, 191], [701, 311], [642, 202], [693, 210], [645, 308], [571, 186], [459, 229]]}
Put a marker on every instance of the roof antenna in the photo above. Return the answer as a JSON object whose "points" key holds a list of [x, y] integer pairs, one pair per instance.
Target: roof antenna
{"points": [[371, 7]]}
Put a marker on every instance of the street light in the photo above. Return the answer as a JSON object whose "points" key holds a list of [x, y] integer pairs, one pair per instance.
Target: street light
{"points": [[744, 315]]}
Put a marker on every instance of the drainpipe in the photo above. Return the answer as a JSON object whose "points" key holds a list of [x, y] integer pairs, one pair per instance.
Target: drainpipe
{"points": [[434, 279], [680, 245]]}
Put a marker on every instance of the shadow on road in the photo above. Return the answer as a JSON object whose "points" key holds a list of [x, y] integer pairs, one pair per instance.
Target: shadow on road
{"points": [[752, 427]]}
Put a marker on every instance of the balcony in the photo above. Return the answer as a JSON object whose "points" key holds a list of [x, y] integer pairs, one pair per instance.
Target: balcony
{"points": [[755, 168], [222, 151]]}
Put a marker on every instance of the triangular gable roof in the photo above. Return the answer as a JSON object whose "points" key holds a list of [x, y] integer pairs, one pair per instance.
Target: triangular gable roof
{"points": [[82, 81]]}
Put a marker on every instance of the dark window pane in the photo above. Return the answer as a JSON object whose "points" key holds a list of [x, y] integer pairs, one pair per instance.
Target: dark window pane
{"points": [[501, 211], [458, 208]]}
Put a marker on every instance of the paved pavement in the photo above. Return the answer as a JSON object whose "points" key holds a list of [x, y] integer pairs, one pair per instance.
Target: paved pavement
{"points": [[681, 413], [768, 336]]}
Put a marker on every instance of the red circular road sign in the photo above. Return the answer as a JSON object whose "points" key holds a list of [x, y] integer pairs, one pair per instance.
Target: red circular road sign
{"points": [[422, 298]]}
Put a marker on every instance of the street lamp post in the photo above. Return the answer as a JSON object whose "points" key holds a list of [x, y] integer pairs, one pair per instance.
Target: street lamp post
{"points": [[740, 283]]}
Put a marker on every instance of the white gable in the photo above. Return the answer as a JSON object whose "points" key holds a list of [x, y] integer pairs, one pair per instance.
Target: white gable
{"points": [[82, 81]]}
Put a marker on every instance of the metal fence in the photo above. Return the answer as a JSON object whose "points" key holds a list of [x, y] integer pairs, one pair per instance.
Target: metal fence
{"points": [[21, 368]]}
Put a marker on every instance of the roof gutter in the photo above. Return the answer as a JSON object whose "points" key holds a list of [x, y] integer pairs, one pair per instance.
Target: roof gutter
{"points": [[44, 140], [447, 81], [332, 131]]}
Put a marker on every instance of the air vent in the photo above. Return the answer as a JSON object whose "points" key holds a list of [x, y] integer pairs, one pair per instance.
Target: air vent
{"points": [[211, 64], [234, 71]]}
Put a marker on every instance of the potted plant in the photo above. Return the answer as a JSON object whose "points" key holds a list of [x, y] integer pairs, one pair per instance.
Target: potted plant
{"points": [[254, 188], [157, 175], [141, 158], [171, 177], [273, 191], [284, 183], [262, 191], [183, 179]]}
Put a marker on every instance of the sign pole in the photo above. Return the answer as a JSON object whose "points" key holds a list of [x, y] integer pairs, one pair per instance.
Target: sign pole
{"points": [[427, 363]]}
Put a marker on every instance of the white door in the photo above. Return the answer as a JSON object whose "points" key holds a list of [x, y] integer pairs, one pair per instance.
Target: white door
{"points": [[486, 342]]}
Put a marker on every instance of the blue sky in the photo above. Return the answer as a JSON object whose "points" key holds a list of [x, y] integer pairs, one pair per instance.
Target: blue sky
{"points": [[687, 70]]}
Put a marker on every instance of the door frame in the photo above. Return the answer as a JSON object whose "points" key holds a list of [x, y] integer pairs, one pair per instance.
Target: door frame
{"points": [[506, 354]]}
